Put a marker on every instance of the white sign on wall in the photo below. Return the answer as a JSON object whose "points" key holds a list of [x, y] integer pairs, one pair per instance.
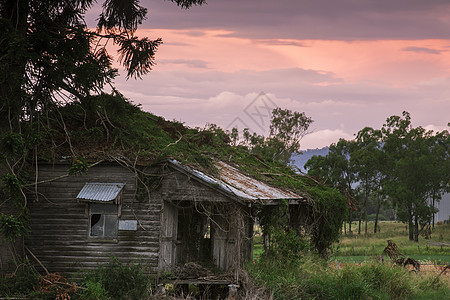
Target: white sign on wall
{"points": [[127, 225]]}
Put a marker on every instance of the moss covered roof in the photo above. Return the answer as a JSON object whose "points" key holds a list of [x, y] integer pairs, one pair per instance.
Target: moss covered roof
{"points": [[109, 126]]}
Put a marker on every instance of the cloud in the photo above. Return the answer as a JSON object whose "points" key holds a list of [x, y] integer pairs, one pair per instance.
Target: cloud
{"points": [[325, 137], [280, 42], [216, 62], [195, 33], [191, 63], [422, 50], [338, 110], [205, 83], [304, 19]]}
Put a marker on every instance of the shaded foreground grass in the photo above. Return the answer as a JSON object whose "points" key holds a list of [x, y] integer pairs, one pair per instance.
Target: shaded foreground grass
{"points": [[312, 278], [354, 271]]}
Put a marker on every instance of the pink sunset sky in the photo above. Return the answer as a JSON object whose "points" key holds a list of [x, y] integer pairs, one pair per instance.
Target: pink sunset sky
{"points": [[347, 64]]}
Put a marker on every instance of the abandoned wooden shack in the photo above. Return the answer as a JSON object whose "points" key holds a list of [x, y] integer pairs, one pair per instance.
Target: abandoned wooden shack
{"points": [[160, 216]]}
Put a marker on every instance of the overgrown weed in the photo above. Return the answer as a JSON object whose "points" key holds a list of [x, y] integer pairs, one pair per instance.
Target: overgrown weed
{"points": [[115, 280], [312, 278], [20, 283]]}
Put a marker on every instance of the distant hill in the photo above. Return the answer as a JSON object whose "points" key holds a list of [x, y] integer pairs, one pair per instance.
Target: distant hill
{"points": [[300, 159]]}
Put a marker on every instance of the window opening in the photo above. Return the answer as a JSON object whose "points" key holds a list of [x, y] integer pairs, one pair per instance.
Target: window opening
{"points": [[103, 219]]}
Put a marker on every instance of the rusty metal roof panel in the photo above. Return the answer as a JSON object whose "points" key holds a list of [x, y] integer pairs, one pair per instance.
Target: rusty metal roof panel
{"points": [[255, 189], [102, 192], [236, 183]]}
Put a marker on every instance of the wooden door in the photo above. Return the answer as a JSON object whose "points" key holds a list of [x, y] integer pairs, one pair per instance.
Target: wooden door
{"points": [[167, 253]]}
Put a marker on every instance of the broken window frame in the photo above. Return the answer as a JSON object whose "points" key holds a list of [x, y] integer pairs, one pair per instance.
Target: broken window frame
{"points": [[109, 216]]}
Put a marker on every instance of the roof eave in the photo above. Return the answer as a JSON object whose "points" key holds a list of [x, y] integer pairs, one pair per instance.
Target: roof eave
{"points": [[242, 200], [188, 172]]}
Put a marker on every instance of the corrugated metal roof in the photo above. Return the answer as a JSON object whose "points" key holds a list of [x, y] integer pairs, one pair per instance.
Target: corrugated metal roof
{"points": [[242, 186], [254, 189], [104, 192]]}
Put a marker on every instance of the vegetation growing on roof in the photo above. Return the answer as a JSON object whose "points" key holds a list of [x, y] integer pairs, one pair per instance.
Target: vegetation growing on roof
{"points": [[110, 127]]}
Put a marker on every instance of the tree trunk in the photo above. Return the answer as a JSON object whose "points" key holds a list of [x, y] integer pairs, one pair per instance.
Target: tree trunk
{"points": [[411, 227], [350, 222], [359, 222], [375, 228], [363, 211], [366, 197], [416, 229], [365, 219], [434, 203]]}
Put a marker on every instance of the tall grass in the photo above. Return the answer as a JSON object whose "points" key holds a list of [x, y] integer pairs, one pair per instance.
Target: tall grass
{"points": [[374, 244], [312, 278], [115, 280]]}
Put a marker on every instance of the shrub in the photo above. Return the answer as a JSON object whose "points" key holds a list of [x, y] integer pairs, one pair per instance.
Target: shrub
{"points": [[12, 227], [22, 282], [287, 244], [93, 291], [115, 280]]}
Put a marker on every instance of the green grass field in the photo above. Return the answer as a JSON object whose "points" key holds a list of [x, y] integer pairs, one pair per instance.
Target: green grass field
{"points": [[357, 248], [355, 271]]}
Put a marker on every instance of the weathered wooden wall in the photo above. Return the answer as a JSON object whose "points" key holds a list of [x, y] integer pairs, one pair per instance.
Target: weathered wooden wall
{"points": [[60, 223], [182, 187]]}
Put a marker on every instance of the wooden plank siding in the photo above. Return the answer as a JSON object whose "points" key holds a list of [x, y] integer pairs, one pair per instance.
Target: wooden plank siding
{"points": [[60, 223], [181, 187]]}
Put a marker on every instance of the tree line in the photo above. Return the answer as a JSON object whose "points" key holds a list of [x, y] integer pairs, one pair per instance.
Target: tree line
{"points": [[399, 166]]}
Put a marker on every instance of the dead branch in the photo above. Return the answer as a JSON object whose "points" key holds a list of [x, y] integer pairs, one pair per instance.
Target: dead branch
{"points": [[448, 266], [104, 125], [38, 261], [66, 132], [59, 177], [261, 161], [176, 142], [107, 119]]}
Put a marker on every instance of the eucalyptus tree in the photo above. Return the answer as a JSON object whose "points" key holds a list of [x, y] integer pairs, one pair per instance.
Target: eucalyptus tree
{"points": [[439, 145], [287, 128], [409, 171], [366, 160], [335, 169]]}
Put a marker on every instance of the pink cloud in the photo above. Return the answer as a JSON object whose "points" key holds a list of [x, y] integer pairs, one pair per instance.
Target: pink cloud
{"points": [[347, 67]]}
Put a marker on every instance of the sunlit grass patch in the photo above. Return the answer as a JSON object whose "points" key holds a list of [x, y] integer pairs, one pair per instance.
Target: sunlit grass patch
{"points": [[373, 244]]}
